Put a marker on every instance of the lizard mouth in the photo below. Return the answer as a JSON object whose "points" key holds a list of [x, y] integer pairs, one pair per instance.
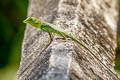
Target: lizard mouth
{"points": [[27, 20]]}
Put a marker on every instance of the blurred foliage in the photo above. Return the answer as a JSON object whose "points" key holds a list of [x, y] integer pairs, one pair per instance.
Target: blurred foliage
{"points": [[12, 13], [117, 56]]}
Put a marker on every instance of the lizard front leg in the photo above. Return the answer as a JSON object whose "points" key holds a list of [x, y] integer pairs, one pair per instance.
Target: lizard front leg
{"points": [[51, 36]]}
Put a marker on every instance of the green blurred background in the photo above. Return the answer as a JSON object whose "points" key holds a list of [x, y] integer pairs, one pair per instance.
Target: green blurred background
{"points": [[12, 13]]}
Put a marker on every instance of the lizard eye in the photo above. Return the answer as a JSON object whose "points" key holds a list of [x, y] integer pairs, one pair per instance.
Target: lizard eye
{"points": [[36, 22], [30, 19]]}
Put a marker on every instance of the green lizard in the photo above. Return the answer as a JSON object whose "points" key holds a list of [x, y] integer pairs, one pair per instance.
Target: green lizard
{"points": [[47, 27]]}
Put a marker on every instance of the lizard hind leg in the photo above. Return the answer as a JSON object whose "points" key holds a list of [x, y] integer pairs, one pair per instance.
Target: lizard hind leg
{"points": [[64, 37]]}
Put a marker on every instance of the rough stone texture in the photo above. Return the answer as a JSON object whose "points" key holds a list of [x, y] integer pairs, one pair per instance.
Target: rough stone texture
{"points": [[91, 21]]}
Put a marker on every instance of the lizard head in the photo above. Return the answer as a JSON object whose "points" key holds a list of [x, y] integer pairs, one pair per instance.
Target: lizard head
{"points": [[33, 21]]}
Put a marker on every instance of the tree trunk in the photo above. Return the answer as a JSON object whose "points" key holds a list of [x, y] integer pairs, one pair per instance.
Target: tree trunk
{"points": [[92, 21]]}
